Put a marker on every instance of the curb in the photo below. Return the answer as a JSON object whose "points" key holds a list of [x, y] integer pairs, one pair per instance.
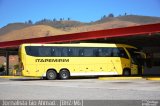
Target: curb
{"points": [[154, 79], [119, 78], [11, 77]]}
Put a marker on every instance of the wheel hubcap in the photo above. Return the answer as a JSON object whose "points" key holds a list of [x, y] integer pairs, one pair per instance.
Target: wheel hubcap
{"points": [[51, 75], [64, 75]]}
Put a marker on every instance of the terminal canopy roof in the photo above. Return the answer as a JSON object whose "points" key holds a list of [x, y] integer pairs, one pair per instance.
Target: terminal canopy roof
{"points": [[145, 35]]}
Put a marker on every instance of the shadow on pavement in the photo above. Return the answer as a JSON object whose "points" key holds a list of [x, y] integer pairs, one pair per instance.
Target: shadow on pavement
{"points": [[79, 78]]}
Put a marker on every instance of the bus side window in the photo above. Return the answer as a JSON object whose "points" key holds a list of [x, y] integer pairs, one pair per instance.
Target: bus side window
{"points": [[104, 52], [115, 52], [88, 52], [44, 51], [55, 51], [64, 52], [100, 52], [70, 52], [81, 52], [123, 53], [76, 52], [107, 52], [95, 52]]}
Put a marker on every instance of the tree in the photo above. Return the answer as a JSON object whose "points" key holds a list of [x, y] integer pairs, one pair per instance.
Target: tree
{"points": [[61, 19], [26, 22], [44, 20], [54, 20], [69, 19], [110, 15], [104, 16], [30, 22]]}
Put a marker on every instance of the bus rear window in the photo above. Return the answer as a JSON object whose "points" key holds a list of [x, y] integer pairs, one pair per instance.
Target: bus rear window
{"points": [[32, 51]]}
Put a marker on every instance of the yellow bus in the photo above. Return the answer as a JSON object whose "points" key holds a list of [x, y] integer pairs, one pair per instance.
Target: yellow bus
{"points": [[79, 59]]}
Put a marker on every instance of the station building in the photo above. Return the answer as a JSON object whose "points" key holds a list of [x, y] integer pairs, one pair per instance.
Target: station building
{"points": [[145, 37]]}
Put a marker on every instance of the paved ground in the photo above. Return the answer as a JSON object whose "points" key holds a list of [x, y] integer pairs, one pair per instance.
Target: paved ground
{"points": [[90, 89]]}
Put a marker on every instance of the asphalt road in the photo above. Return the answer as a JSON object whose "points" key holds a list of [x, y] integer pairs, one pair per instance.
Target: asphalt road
{"points": [[81, 89]]}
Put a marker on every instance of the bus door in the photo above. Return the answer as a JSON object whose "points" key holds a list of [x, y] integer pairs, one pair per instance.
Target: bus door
{"points": [[138, 59]]}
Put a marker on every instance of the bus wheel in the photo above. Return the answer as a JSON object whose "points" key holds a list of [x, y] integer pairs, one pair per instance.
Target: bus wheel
{"points": [[51, 75], [126, 72], [64, 74]]}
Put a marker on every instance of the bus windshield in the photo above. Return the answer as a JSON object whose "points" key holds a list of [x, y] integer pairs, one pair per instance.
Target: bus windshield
{"points": [[137, 56]]}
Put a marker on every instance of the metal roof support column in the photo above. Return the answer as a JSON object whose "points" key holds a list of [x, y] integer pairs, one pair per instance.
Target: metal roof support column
{"points": [[7, 62]]}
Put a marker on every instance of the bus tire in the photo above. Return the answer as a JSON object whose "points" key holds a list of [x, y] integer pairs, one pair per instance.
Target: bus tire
{"points": [[64, 74], [126, 72], [44, 78], [51, 75]]}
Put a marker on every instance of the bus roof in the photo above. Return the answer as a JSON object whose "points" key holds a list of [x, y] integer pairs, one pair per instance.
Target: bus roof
{"points": [[82, 45]]}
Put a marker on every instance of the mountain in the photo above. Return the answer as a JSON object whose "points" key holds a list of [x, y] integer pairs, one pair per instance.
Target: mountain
{"points": [[12, 27], [47, 27], [131, 18], [31, 32], [102, 26], [60, 24], [140, 19]]}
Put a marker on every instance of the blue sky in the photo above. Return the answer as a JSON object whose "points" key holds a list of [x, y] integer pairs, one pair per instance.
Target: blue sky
{"points": [[12, 11]]}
